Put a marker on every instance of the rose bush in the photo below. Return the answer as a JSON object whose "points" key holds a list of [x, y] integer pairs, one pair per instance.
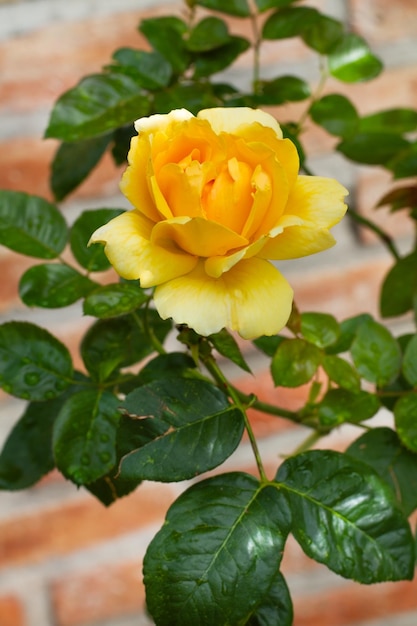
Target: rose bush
{"points": [[217, 197]]}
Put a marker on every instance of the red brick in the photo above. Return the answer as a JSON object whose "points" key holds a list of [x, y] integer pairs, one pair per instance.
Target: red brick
{"points": [[11, 611], [384, 20], [102, 594], [78, 524]]}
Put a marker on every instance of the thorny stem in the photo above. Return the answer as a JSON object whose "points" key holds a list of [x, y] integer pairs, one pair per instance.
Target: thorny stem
{"points": [[220, 378]]}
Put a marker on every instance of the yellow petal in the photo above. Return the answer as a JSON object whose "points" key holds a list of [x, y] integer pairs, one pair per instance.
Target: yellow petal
{"points": [[318, 201], [133, 256], [217, 265], [197, 236], [159, 122], [297, 241], [135, 180], [233, 120], [253, 298]]}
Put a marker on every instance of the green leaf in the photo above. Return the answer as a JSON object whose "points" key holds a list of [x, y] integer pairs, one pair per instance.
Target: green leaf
{"points": [[210, 33], [30, 225], [376, 354], [401, 280], [114, 343], [268, 345], [289, 22], [295, 363], [405, 413], [372, 148], [352, 61], [168, 365], [336, 114], [410, 362], [404, 164], [227, 346], [73, 162], [98, 104], [341, 372], [53, 285], [382, 449], [264, 5], [345, 517], [201, 430], [122, 138], [290, 131], [206, 64], [323, 33], [397, 121], [340, 405], [193, 97], [166, 35], [111, 487], [231, 7], [276, 606], [321, 329], [90, 258], [150, 68], [84, 435], [34, 365], [114, 300], [348, 329], [215, 566], [283, 89]]}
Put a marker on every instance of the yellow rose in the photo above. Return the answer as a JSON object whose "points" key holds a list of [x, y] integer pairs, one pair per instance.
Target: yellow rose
{"points": [[216, 197]]}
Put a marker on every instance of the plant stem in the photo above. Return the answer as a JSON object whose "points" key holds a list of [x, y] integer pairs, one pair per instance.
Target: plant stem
{"points": [[220, 378], [383, 236], [308, 442], [256, 45]]}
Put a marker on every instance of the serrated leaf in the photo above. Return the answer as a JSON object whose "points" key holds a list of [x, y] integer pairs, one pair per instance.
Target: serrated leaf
{"points": [[231, 7], [410, 362], [295, 362], [206, 64], [150, 68], [208, 34], [345, 517], [276, 606], [340, 405], [73, 162], [34, 365], [84, 437], [352, 61], [405, 413], [30, 225], [372, 148], [382, 449], [165, 34], [397, 121], [114, 343], [201, 430], [214, 566], [98, 104], [341, 372], [53, 285], [227, 346], [376, 354], [114, 300], [289, 22], [321, 329], [400, 280], [283, 89], [92, 258], [323, 33], [336, 114]]}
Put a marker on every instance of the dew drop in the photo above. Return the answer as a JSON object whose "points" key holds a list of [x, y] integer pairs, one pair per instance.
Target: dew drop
{"points": [[85, 459], [104, 438], [7, 388], [50, 395], [105, 457], [25, 395], [125, 300], [31, 379], [101, 308]]}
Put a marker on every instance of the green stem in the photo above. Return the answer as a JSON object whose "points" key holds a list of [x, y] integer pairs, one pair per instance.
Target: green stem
{"points": [[270, 409], [220, 378], [149, 331], [256, 45], [312, 438], [383, 236]]}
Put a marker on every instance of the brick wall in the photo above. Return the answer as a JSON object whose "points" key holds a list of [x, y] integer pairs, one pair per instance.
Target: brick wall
{"points": [[64, 560]]}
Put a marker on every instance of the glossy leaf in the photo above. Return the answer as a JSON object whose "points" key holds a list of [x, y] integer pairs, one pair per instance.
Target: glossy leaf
{"points": [[397, 121], [372, 148], [34, 365], [231, 7], [53, 285], [405, 413], [341, 372], [276, 606], [210, 33], [150, 68], [295, 363], [268, 345], [92, 258], [283, 89], [30, 225], [348, 330], [340, 405], [289, 22], [109, 488], [172, 364], [110, 344], [323, 33], [264, 5], [220, 58], [98, 104], [114, 300], [121, 143], [376, 354], [382, 449], [404, 164], [84, 435], [166, 35], [214, 566], [345, 517], [73, 162], [401, 280], [336, 114], [191, 96], [321, 329], [410, 362], [352, 61], [201, 429], [227, 346]]}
